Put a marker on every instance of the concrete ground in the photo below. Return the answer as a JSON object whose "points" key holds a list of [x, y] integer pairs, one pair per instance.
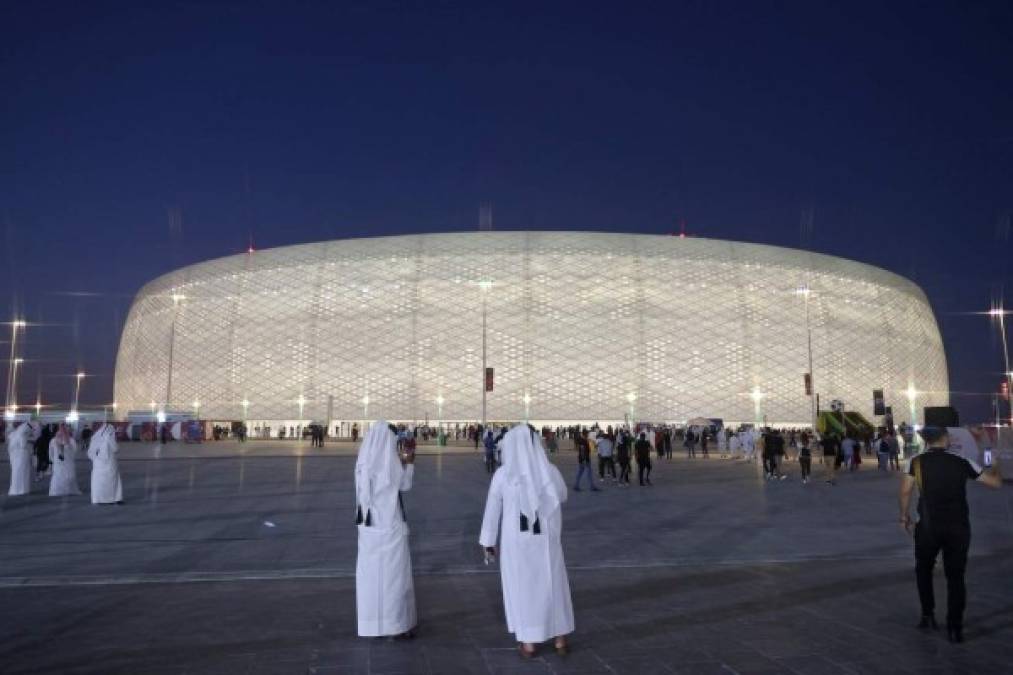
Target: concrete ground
{"points": [[240, 559]]}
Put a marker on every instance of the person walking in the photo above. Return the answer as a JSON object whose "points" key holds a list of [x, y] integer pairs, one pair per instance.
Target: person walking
{"points": [[642, 450], [583, 461], [690, 444], [767, 455], [489, 443], [551, 444], [734, 445], [848, 452], [748, 442], [623, 456], [831, 452], [805, 459], [893, 450], [523, 511], [943, 523], [882, 451], [42, 452], [605, 450]]}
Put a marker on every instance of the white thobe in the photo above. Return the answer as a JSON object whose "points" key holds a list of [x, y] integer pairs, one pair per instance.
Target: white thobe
{"points": [[536, 590], [748, 445], [20, 452], [106, 486], [384, 589], [64, 480]]}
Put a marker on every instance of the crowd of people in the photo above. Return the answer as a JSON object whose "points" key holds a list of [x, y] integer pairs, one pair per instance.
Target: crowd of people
{"points": [[54, 449], [615, 450], [522, 523]]}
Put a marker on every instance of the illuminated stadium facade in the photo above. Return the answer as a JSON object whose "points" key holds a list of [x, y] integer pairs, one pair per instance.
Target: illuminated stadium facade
{"points": [[580, 327]]}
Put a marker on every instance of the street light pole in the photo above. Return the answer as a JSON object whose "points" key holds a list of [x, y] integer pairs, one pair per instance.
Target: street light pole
{"points": [[176, 299], [805, 292], [12, 378], [812, 379], [14, 387], [485, 286], [485, 385], [77, 391], [1005, 356]]}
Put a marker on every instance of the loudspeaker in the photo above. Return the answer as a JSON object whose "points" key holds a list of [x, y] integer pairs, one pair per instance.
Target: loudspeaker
{"points": [[941, 416]]}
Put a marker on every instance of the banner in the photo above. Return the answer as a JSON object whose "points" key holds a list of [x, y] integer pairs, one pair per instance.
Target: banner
{"points": [[193, 431], [878, 404], [488, 379], [808, 384], [149, 431]]}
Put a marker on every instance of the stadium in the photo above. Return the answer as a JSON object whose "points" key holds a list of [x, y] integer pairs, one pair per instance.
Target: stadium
{"points": [[577, 327]]}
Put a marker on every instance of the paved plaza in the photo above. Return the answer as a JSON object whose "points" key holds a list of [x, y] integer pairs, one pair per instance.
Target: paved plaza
{"points": [[235, 559]]}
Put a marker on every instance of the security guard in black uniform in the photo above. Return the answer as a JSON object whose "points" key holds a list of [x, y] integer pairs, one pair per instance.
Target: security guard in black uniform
{"points": [[943, 523]]}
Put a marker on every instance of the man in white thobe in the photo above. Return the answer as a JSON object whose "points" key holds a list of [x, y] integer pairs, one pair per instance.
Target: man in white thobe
{"points": [[734, 446], [748, 444], [106, 486], [384, 590], [62, 452], [526, 494], [19, 449]]}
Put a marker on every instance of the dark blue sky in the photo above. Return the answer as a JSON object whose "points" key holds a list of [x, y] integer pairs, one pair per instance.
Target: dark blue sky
{"points": [[135, 140]]}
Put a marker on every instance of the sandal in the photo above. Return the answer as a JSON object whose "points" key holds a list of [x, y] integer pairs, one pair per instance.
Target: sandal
{"points": [[525, 654]]}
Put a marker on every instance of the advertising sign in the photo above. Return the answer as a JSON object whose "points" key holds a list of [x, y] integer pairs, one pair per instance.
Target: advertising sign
{"points": [[878, 404], [193, 431]]}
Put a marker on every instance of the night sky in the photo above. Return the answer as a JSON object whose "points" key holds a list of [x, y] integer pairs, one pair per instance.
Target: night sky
{"points": [[134, 141]]}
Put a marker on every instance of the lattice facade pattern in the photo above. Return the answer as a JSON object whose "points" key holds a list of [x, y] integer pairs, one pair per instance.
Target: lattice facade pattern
{"points": [[580, 327]]}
